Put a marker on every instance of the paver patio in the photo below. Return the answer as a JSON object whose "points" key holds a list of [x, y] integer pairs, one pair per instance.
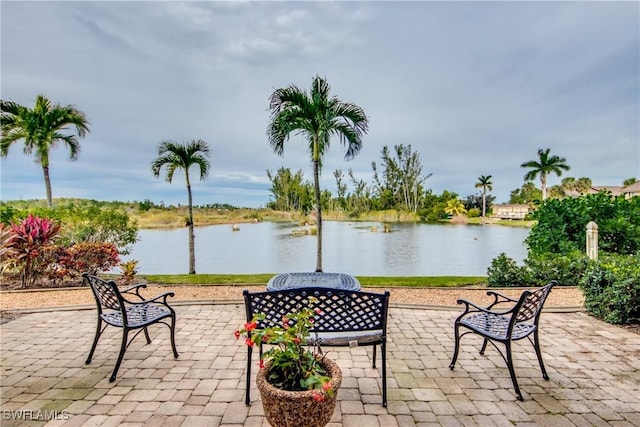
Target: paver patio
{"points": [[594, 371]]}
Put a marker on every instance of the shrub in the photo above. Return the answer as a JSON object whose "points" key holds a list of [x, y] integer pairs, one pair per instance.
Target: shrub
{"points": [[505, 272], [612, 288], [23, 247], [92, 258], [567, 269]]}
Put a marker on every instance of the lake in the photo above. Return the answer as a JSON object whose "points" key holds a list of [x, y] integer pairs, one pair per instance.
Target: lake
{"points": [[268, 247]]}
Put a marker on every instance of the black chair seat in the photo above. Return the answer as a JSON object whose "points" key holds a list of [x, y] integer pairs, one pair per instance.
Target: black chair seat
{"points": [[497, 326], [138, 315]]}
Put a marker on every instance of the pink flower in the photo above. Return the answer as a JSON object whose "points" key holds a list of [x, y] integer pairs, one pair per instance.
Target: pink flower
{"points": [[236, 334], [261, 364], [326, 386], [318, 397], [249, 342]]}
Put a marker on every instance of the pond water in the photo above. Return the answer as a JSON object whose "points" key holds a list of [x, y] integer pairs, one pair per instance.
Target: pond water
{"points": [[267, 247]]}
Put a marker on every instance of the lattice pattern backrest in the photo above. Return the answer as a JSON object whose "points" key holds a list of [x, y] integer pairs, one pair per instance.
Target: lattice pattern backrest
{"points": [[342, 310], [532, 303], [104, 292]]}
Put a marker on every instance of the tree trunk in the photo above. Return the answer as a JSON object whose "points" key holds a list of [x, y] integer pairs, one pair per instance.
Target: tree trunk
{"points": [[316, 182], [47, 184], [192, 255], [484, 203], [543, 185]]}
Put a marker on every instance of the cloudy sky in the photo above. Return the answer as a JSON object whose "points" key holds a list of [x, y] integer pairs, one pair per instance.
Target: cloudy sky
{"points": [[475, 87]]}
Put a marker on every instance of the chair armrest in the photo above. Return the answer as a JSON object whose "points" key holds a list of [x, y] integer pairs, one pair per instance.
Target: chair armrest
{"points": [[136, 288], [499, 298], [162, 296], [471, 307]]}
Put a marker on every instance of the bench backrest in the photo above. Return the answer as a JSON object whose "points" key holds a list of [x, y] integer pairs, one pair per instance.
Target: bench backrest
{"points": [[342, 311]]}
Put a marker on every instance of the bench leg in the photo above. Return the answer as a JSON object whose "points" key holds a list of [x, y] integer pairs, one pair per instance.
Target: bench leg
{"points": [[247, 396], [374, 357], [456, 348], [173, 336], [95, 340], [536, 345], [512, 371], [383, 350], [123, 348]]}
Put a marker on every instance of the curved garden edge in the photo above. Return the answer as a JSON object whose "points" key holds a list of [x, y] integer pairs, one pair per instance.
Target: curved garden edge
{"points": [[561, 298]]}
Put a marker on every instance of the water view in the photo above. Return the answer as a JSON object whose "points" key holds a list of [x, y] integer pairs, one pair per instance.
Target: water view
{"points": [[409, 250]]}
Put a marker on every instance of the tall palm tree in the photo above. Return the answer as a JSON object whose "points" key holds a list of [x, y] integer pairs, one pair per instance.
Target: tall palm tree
{"points": [[41, 128], [317, 116], [484, 181], [183, 156], [544, 166]]}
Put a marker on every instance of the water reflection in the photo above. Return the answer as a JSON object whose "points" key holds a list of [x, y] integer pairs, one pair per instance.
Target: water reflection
{"points": [[409, 250]]}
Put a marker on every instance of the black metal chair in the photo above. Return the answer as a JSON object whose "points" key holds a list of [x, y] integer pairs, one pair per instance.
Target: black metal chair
{"points": [[115, 310], [518, 322]]}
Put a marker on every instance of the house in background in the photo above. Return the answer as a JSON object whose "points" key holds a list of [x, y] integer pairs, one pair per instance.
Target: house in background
{"points": [[617, 190], [508, 211], [631, 190]]}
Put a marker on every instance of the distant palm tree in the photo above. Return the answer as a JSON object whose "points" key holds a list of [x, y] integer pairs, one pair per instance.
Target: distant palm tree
{"points": [[455, 207], [544, 166], [484, 181], [183, 156], [41, 128], [318, 117]]}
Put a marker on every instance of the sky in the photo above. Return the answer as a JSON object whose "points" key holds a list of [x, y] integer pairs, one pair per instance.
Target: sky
{"points": [[475, 87]]}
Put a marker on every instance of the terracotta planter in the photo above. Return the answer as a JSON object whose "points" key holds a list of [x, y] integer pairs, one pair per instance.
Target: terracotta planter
{"points": [[284, 408]]}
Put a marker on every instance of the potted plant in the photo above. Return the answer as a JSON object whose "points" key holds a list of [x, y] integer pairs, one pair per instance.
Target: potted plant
{"points": [[297, 383]]}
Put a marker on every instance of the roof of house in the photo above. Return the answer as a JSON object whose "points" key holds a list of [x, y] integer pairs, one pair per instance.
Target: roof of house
{"points": [[633, 188]]}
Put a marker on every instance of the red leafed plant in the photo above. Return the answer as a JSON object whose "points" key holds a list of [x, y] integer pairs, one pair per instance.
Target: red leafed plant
{"points": [[23, 247]]}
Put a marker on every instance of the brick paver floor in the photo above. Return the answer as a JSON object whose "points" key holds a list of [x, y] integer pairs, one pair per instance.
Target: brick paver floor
{"points": [[594, 371]]}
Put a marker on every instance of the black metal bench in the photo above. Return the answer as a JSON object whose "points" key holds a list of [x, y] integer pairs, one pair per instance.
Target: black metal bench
{"points": [[349, 318], [115, 310], [504, 326]]}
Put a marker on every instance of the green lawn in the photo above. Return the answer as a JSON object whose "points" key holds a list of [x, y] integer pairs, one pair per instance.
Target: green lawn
{"points": [[262, 279]]}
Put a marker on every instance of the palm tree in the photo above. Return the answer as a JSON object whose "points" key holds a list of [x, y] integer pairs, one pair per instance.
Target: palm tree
{"points": [[544, 166], [41, 128], [183, 156], [484, 181], [455, 208], [318, 117]]}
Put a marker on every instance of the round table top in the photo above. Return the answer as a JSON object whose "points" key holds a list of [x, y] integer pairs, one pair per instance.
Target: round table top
{"points": [[313, 280]]}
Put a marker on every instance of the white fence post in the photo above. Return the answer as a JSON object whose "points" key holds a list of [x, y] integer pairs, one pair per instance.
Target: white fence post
{"points": [[592, 240]]}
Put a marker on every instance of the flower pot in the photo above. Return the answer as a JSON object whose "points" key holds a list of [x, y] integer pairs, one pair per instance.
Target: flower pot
{"points": [[284, 408]]}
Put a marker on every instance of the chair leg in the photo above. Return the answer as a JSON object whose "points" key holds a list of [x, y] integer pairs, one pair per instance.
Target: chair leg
{"points": [[173, 336], [383, 350], [123, 348], [536, 345], [247, 396], [456, 348], [512, 371], [95, 340], [146, 335], [373, 365], [484, 346]]}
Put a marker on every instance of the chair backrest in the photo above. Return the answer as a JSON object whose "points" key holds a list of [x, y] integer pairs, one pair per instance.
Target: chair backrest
{"points": [[343, 311], [531, 302], [106, 292]]}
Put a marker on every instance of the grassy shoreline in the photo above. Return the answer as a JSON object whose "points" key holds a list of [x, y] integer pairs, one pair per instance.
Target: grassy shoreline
{"points": [[262, 279]]}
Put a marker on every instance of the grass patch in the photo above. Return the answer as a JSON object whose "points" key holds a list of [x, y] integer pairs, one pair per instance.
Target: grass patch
{"points": [[368, 281]]}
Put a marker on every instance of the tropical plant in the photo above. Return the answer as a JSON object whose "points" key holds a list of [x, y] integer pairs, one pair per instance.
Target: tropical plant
{"points": [[129, 271], [182, 156], [291, 364], [41, 128], [23, 247], [484, 182], [317, 116], [455, 207], [544, 166]]}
